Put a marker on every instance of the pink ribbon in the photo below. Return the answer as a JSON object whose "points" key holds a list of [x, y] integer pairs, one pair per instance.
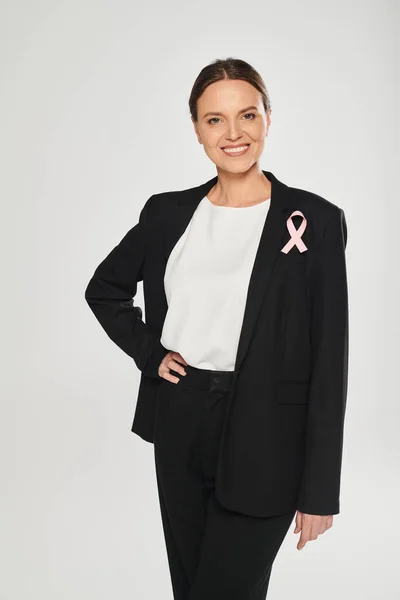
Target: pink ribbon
{"points": [[295, 233]]}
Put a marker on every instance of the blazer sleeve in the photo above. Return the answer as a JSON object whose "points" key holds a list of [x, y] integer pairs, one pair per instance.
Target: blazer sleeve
{"points": [[320, 483], [110, 294]]}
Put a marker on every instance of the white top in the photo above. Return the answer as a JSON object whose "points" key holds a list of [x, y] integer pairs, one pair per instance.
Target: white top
{"points": [[206, 282]]}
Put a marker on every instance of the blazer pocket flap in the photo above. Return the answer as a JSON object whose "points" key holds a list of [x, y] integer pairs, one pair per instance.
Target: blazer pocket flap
{"points": [[293, 392]]}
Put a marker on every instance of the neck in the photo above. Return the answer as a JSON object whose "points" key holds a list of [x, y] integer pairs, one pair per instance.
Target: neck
{"points": [[240, 189]]}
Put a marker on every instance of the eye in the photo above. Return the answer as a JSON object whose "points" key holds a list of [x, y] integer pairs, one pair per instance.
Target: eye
{"points": [[213, 119]]}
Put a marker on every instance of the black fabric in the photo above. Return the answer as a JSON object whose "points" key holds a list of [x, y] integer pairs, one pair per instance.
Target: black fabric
{"points": [[283, 442], [213, 553]]}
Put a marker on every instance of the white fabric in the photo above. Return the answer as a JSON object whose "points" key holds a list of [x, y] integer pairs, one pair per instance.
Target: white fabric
{"points": [[206, 282]]}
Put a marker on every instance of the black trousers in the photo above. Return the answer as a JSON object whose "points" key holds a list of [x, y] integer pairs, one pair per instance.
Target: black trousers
{"points": [[213, 553]]}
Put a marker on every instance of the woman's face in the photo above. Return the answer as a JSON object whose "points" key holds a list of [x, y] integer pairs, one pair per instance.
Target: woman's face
{"points": [[231, 113]]}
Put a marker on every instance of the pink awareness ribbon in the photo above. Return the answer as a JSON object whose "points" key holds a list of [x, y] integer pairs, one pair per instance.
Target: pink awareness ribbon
{"points": [[295, 233]]}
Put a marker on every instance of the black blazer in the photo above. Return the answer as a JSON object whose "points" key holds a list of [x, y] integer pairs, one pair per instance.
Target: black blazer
{"points": [[281, 447]]}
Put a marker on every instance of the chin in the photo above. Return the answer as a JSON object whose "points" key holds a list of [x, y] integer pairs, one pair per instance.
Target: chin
{"points": [[239, 167]]}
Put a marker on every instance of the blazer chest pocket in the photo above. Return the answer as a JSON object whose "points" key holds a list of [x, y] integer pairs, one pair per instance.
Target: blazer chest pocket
{"points": [[293, 392]]}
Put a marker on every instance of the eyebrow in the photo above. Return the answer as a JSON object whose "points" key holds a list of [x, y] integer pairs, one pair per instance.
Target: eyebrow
{"points": [[222, 114]]}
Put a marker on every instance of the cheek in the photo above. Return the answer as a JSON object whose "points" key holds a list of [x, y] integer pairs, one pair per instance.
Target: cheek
{"points": [[212, 150], [258, 132], [211, 139], [212, 143], [259, 139], [258, 136]]}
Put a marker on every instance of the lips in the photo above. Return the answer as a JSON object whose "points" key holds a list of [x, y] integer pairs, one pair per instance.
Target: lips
{"points": [[234, 146], [235, 150]]}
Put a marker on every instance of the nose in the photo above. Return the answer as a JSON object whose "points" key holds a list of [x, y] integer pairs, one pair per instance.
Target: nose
{"points": [[233, 131]]}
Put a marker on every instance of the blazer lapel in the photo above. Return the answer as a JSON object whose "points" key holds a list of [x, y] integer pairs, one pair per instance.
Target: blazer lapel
{"points": [[272, 240], [185, 206]]}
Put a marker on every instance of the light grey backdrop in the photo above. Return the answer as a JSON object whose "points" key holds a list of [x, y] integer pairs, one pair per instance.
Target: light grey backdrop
{"points": [[94, 119]]}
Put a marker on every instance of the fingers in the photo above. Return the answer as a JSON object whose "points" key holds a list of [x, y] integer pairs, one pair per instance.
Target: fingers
{"points": [[180, 358], [174, 361], [172, 378], [305, 534], [328, 523], [311, 527], [297, 528]]}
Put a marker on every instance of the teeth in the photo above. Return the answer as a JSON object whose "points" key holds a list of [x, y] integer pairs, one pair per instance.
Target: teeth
{"points": [[233, 150]]}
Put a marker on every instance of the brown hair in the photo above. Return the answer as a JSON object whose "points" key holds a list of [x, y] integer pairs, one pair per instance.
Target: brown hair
{"points": [[228, 68]]}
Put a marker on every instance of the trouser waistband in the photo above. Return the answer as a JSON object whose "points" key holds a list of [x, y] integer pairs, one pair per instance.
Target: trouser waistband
{"points": [[206, 379]]}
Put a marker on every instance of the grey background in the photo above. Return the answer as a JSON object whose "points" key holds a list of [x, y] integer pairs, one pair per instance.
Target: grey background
{"points": [[94, 119]]}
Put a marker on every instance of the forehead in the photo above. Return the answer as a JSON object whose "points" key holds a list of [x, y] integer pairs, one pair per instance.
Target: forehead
{"points": [[229, 94]]}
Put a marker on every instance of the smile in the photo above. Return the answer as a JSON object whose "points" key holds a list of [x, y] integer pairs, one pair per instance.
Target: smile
{"points": [[238, 151]]}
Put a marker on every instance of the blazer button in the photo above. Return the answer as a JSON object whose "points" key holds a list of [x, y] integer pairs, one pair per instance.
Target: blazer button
{"points": [[215, 380]]}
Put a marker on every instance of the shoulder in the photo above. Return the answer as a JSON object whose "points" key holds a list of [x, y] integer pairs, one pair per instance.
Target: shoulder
{"points": [[319, 212], [161, 203], [318, 206], [322, 215], [162, 200], [171, 197], [157, 206]]}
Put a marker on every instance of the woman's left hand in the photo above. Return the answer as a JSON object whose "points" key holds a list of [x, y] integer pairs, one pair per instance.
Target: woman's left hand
{"points": [[311, 526]]}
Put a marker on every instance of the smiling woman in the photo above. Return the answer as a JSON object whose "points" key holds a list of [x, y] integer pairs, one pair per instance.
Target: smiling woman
{"points": [[225, 124], [244, 350]]}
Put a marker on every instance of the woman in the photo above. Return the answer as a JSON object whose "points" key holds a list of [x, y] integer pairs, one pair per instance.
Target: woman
{"points": [[244, 352]]}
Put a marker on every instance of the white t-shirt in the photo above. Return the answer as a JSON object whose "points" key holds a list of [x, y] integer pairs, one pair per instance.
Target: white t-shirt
{"points": [[206, 282]]}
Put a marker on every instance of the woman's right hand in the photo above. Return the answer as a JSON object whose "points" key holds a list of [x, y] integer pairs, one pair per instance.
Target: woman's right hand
{"points": [[171, 361]]}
